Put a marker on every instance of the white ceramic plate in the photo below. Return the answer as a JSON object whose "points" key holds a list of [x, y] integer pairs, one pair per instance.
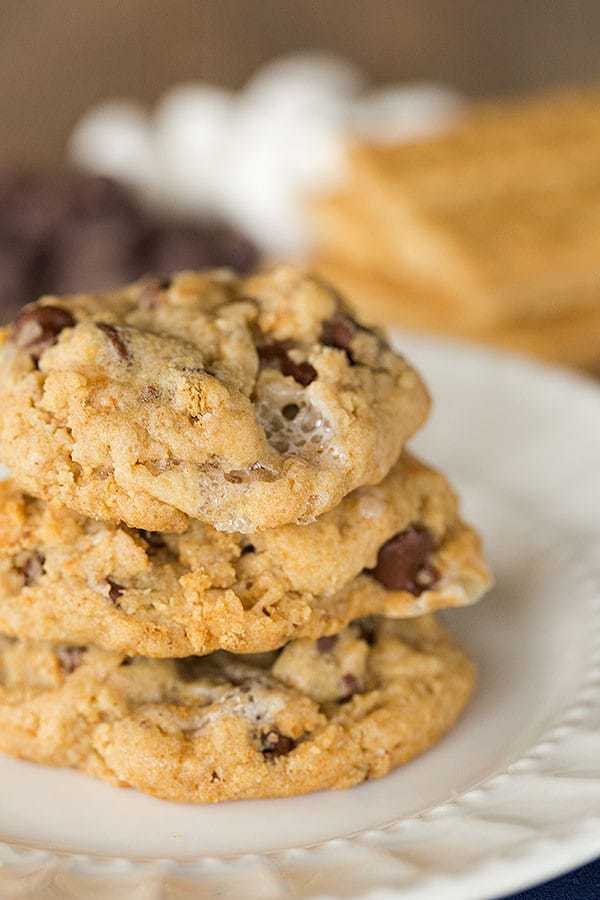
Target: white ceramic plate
{"points": [[510, 798]]}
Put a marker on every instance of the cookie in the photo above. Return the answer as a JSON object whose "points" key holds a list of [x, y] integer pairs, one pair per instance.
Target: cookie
{"points": [[317, 715], [245, 403], [398, 548]]}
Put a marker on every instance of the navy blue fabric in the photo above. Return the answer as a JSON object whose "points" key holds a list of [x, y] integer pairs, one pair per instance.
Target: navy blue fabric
{"points": [[582, 884]]}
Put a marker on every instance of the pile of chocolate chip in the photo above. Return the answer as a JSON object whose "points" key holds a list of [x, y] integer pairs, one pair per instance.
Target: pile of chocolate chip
{"points": [[68, 232]]}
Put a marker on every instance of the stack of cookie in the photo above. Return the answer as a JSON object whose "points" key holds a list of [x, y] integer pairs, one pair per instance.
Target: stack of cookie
{"points": [[218, 562], [489, 231]]}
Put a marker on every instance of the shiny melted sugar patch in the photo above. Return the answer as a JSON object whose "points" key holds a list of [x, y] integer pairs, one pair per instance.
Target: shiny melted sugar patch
{"points": [[293, 426]]}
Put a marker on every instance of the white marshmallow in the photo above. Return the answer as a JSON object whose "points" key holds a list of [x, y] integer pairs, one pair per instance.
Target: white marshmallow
{"points": [[403, 113], [274, 157], [115, 139], [308, 81], [191, 126]]}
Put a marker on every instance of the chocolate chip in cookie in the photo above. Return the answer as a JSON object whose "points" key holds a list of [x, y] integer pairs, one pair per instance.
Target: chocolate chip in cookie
{"points": [[115, 590], [70, 658], [151, 293], [117, 340], [273, 743], [38, 327], [154, 539], [351, 685], [367, 631], [338, 332], [327, 643], [403, 563], [276, 356], [33, 567]]}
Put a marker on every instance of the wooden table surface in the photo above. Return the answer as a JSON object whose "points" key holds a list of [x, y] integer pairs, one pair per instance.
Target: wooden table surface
{"points": [[57, 57]]}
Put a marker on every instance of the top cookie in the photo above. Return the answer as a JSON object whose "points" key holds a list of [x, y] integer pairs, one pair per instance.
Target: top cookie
{"points": [[245, 403]]}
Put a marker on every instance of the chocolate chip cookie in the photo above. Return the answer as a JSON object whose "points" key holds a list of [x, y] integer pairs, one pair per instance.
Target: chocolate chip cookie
{"points": [[245, 403], [324, 714], [398, 549]]}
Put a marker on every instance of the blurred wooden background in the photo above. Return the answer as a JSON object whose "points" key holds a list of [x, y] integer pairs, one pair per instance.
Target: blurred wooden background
{"points": [[57, 57]]}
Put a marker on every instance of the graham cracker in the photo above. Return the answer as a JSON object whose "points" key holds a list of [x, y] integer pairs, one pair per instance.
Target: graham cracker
{"points": [[501, 214]]}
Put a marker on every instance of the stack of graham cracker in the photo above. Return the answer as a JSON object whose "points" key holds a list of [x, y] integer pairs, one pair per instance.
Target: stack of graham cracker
{"points": [[489, 231]]}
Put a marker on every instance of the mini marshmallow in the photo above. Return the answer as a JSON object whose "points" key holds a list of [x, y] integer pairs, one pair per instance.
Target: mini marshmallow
{"points": [[274, 157], [403, 113], [191, 126], [116, 139], [303, 82]]}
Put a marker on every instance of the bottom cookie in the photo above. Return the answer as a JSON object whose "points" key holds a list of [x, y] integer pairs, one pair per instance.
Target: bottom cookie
{"points": [[315, 715]]}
